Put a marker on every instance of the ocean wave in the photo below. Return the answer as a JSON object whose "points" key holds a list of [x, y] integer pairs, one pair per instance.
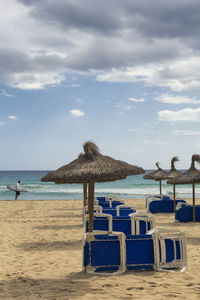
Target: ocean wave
{"points": [[136, 190]]}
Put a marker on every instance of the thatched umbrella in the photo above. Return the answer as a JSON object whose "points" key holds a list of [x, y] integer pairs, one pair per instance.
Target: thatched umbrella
{"points": [[189, 177], [172, 174], [157, 175], [50, 178], [92, 167]]}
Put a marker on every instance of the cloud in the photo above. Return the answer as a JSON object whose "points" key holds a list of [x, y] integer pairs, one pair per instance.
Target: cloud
{"points": [[141, 130], [156, 142], [187, 132], [78, 100], [178, 75], [4, 93], [2, 123], [132, 130], [176, 99], [72, 85], [77, 113], [124, 107], [13, 118], [136, 99], [188, 114], [43, 41]]}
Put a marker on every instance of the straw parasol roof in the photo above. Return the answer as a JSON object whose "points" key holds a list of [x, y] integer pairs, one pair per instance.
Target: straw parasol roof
{"points": [[172, 174], [157, 175], [189, 177], [197, 179], [91, 166]]}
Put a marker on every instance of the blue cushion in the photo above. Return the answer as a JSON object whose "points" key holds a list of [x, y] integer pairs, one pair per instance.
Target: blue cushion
{"points": [[185, 213], [164, 206], [139, 251]]}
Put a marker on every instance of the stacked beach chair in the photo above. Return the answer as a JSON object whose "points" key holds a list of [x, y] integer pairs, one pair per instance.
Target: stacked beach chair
{"points": [[184, 213], [161, 203], [125, 239]]}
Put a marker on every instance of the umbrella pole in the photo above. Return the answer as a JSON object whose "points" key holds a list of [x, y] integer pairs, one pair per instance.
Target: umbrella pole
{"points": [[160, 188], [84, 194], [174, 193], [193, 200], [91, 205]]}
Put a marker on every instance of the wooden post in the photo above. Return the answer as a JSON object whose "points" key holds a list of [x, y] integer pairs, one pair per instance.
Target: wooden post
{"points": [[174, 193], [160, 188], [84, 194], [91, 205], [193, 200]]}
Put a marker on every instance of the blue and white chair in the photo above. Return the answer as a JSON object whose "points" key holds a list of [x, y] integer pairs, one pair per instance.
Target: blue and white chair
{"points": [[134, 224], [114, 252]]}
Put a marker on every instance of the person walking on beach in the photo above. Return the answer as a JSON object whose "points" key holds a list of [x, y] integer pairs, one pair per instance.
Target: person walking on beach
{"points": [[17, 189]]}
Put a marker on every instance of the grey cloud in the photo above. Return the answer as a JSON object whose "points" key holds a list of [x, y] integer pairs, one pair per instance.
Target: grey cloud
{"points": [[84, 35], [84, 15], [105, 54], [13, 60], [153, 18]]}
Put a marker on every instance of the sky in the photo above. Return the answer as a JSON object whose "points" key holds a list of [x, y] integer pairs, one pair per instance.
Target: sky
{"points": [[122, 74]]}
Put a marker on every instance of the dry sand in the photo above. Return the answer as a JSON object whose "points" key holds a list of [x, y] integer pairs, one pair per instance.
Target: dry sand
{"points": [[41, 257]]}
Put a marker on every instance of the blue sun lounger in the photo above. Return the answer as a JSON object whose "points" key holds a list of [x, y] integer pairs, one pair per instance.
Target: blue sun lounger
{"points": [[109, 201], [120, 210], [162, 206], [114, 253], [184, 213], [148, 198], [136, 223]]}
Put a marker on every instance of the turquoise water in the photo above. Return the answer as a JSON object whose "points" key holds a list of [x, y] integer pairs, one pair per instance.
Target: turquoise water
{"points": [[131, 187]]}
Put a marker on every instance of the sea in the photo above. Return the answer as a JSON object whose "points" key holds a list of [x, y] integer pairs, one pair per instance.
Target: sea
{"points": [[131, 187]]}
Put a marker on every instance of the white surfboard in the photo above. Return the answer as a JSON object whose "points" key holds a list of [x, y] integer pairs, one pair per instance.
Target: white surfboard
{"points": [[13, 188]]}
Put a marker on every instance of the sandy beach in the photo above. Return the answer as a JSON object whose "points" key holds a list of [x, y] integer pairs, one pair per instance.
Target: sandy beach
{"points": [[41, 257]]}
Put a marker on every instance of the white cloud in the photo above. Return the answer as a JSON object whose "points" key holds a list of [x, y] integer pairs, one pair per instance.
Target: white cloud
{"points": [[187, 132], [75, 85], [141, 130], [187, 114], [72, 85], [4, 93], [127, 74], [13, 118], [28, 81], [176, 99], [180, 75], [78, 100], [123, 107], [136, 99], [156, 142], [132, 130], [77, 113], [2, 123]]}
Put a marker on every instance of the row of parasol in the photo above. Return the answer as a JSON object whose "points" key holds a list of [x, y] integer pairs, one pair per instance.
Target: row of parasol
{"points": [[191, 176], [90, 167]]}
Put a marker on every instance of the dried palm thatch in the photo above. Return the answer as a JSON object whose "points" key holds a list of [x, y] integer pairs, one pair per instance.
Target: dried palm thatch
{"points": [[91, 166], [152, 174], [157, 175], [172, 174], [189, 177]]}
